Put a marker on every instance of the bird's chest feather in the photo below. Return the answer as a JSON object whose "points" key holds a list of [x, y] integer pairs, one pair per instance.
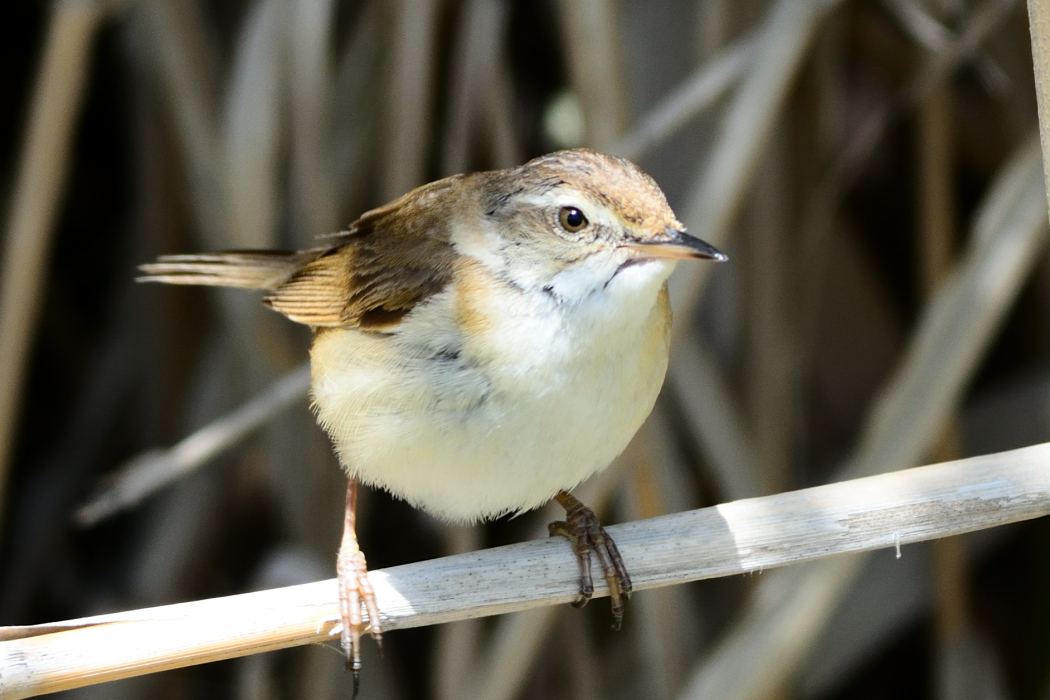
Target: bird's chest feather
{"points": [[586, 361], [492, 400]]}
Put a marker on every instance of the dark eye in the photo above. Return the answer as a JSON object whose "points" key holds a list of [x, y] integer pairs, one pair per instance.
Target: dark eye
{"points": [[572, 219]]}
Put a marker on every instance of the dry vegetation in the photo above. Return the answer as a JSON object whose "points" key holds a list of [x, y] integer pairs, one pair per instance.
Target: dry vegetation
{"points": [[872, 167]]}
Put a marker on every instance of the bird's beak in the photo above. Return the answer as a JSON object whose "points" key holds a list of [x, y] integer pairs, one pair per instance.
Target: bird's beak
{"points": [[678, 245]]}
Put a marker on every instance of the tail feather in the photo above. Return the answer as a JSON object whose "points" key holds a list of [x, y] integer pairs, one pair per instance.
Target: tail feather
{"points": [[250, 269]]}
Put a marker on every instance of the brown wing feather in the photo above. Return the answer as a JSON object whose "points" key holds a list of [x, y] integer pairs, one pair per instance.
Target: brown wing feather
{"points": [[317, 293], [391, 259]]}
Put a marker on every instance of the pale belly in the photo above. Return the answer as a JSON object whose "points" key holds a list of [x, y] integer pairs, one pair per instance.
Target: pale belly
{"points": [[466, 439]]}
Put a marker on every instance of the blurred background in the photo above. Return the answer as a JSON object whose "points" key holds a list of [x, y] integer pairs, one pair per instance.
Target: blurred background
{"points": [[870, 166]]}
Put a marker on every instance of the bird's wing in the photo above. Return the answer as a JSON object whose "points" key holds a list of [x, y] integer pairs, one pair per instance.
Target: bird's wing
{"points": [[391, 259]]}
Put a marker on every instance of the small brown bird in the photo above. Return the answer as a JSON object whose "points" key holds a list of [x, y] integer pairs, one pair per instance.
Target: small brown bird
{"points": [[482, 344]]}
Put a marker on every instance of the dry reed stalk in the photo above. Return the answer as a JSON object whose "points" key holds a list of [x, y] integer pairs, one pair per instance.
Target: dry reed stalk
{"points": [[362, 72], [771, 385], [150, 471], [177, 528], [174, 37], [1039, 23], [715, 420], [879, 512], [936, 68], [252, 127], [475, 67], [40, 514], [576, 642], [500, 123], [35, 200], [313, 202], [590, 39], [932, 34], [743, 135], [410, 95], [937, 236], [696, 94]]}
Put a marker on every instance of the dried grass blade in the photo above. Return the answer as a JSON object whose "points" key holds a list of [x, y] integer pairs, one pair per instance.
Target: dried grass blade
{"points": [[42, 167], [1039, 24], [696, 93], [252, 128], [744, 134], [591, 37], [174, 37], [407, 132], [152, 470]]}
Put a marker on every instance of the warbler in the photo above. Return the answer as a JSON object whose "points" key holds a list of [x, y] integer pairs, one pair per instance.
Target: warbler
{"points": [[482, 344]]}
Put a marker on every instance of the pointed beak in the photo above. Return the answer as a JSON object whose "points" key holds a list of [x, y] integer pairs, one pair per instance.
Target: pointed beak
{"points": [[678, 245]]}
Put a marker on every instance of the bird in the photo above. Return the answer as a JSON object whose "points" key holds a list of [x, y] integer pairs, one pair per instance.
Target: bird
{"points": [[481, 345]]}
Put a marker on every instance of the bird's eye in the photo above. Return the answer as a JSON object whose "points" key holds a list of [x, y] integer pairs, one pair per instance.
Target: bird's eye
{"points": [[572, 219]]}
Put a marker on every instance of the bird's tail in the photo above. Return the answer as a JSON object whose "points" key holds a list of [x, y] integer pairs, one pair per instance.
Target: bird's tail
{"points": [[252, 269]]}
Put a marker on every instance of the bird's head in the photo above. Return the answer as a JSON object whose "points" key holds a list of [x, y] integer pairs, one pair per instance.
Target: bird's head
{"points": [[574, 222]]}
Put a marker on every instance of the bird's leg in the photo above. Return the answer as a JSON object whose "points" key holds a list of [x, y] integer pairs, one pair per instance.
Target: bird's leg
{"points": [[355, 591], [586, 534]]}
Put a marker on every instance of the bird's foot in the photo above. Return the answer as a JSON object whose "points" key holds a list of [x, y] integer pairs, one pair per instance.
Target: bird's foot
{"points": [[582, 529], [356, 599], [356, 595]]}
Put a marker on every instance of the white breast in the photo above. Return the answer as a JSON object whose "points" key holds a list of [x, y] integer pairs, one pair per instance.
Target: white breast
{"points": [[534, 398]]}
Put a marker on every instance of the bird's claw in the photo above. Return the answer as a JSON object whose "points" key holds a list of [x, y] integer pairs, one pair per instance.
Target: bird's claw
{"points": [[582, 529], [356, 599]]}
